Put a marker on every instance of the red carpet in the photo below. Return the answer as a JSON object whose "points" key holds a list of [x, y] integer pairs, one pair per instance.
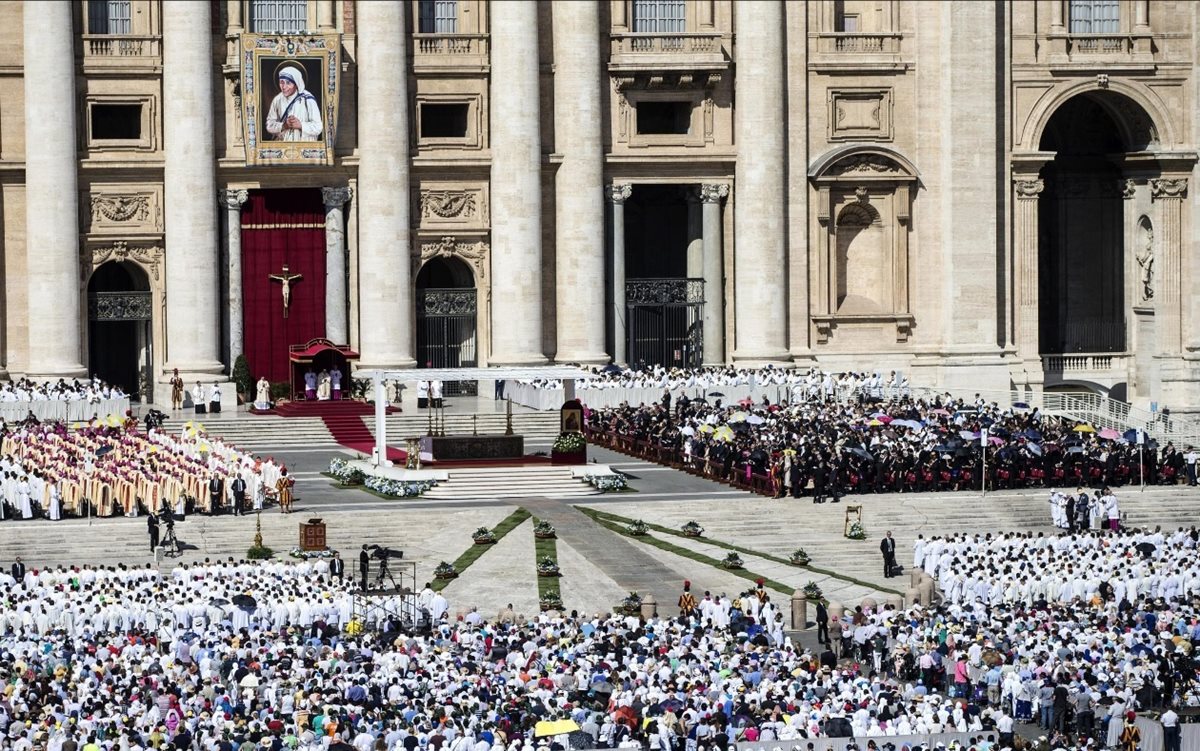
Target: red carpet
{"points": [[321, 409], [350, 431]]}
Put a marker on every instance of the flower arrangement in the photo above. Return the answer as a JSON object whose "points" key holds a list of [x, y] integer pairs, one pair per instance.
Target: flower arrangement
{"points": [[345, 474], [856, 531], [445, 570], [483, 536], [397, 488], [631, 605], [732, 561], [547, 566], [638, 528], [550, 601], [800, 557], [571, 442], [812, 591], [608, 483], [309, 554], [692, 529], [543, 530]]}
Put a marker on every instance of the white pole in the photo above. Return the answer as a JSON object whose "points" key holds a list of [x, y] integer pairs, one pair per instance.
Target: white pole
{"points": [[983, 441], [380, 420], [1141, 439]]}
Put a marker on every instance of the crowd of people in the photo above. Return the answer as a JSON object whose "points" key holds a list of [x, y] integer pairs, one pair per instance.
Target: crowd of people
{"points": [[275, 655], [114, 467], [92, 390], [826, 448]]}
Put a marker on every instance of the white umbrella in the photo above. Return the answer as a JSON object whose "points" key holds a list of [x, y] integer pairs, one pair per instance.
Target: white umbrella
{"points": [[687, 430], [755, 420]]}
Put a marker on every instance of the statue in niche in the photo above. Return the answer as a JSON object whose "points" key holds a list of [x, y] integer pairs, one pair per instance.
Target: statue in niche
{"points": [[1145, 259]]}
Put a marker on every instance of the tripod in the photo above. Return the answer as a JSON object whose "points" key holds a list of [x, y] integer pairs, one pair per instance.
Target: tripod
{"points": [[170, 543], [382, 574]]}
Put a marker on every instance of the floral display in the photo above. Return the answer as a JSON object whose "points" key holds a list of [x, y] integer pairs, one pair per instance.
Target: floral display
{"points": [[732, 560], [812, 591], [445, 570], [310, 554], [483, 536], [547, 566], [639, 528], [397, 488], [608, 483], [569, 443], [800, 557], [543, 530], [692, 529], [856, 531]]}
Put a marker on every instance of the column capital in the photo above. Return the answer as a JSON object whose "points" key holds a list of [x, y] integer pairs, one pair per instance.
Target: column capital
{"points": [[1028, 189], [1161, 188], [336, 197], [618, 193], [232, 198], [1128, 188], [713, 192]]}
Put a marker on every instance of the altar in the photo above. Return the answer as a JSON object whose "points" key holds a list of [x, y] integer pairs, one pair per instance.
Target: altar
{"points": [[459, 447]]}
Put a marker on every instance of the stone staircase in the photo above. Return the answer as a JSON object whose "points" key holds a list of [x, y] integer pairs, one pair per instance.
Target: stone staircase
{"points": [[509, 482]]}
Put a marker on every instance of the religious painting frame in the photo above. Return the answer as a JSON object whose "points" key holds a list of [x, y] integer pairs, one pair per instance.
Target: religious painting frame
{"points": [[285, 128]]}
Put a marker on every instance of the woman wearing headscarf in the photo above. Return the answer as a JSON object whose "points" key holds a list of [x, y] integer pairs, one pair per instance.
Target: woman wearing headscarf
{"points": [[294, 114]]}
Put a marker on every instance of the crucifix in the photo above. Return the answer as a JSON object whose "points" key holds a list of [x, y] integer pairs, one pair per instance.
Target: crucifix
{"points": [[286, 277]]}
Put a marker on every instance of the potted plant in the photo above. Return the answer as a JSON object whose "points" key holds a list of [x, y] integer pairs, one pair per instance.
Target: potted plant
{"points": [[445, 571], [800, 557], [550, 601], [569, 448], [639, 528], [242, 380], [812, 591], [856, 532], [484, 536], [732, 561], [547, 566], [692, 529], [631, 605], [543, 530]]}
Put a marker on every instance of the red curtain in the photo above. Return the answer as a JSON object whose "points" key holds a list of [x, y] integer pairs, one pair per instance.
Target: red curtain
{"points": [[278, 227]]}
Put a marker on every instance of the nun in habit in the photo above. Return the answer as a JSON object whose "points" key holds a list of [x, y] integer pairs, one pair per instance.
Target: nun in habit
{"points": [[294, 114]]}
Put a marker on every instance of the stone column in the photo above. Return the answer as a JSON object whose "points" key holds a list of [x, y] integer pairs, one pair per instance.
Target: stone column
{"points": [[1056, 16], [385, 293], [759, 272], [189, 181], [336, 329], [231, 201], [1025, 242], [579, 206], [325, 19], [695, 235], [1169, 193], [1141, 16], [617, 195], [714, 274], [516, 186], [51, 195]]}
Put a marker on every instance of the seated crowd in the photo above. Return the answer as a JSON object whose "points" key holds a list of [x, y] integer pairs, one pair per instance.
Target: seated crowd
{"points": [[826, 448], [92, 390], [271, 655]]}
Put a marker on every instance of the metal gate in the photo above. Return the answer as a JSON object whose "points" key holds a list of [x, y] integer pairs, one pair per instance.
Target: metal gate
{"points": [[446, 334], [666, 322]]}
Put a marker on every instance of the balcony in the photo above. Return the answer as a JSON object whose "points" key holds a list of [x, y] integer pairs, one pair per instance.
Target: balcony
{"points": [[106, 49], [857, 51], [1099, 44], [1097, 51], [450, 53], [1104, 368], [884, 42], [682, 51]]}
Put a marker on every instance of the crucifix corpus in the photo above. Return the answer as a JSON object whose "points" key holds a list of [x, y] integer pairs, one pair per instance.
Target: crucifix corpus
{"points": [[286, 278]]}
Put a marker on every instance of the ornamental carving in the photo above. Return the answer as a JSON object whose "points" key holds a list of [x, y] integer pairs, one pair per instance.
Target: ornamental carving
{"points": [[120, 306], [447, 302], [149, 257], [1029, 188], [475, 254], [1128, 188], [1168, 188], [664, 291], [714, 192], [448, 204], [121, 208], [232, 198], [865, 164], [336, 197], [619, 193]]}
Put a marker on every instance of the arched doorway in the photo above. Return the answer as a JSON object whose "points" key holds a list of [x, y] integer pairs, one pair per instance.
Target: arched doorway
{"points": [[446, 319], [119, 327], [1081, 223]]}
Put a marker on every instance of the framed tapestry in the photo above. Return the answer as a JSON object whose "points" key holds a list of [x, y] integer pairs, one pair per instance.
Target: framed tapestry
{"points": [[290, 98]]}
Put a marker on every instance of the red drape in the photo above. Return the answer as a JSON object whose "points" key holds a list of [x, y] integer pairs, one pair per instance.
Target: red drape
{"points": [[278, 227]]}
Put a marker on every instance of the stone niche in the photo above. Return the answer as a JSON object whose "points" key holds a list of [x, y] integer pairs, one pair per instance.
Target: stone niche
{"points": [[860, 254]]}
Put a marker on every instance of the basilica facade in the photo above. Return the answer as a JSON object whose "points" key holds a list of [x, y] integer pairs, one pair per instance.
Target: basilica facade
{"points": [[987, 195]]}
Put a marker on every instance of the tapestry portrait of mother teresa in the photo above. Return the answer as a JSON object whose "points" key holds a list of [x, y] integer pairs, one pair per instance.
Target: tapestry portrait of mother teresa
{"points": [[289, 92]]}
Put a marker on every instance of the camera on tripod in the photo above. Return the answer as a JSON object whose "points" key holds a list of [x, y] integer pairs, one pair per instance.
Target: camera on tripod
{"points": [[384, 554]]}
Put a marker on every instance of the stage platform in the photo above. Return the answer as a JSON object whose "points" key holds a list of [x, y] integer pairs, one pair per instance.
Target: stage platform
{"points": [[327, 408]]}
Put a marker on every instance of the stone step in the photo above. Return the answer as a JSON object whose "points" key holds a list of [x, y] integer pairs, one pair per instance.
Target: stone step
{"points": [[509, 482]]}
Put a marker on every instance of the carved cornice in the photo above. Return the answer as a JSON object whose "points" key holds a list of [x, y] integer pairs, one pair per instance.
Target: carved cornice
{"points": [[865, 164], [449, 204], [1128, 188], [475, 254], [619, 193], [1168, 188], [659, 80], [149, 256], [121, 208], [336, 197], [713, 192], [1029, 189], [232, 198]]}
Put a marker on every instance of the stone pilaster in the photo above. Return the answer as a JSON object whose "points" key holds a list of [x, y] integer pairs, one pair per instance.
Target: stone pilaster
{"points": [[336, 328], [1168, 195], [231, 201], [51, 194], [1025, 241], [189, 179], [516, 186], [579, 206], [714, 273], [385, 292], [760, 294], [617, 195]]}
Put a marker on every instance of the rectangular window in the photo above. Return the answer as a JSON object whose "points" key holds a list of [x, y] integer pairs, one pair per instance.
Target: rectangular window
{"points": [[278, 16], [444, 120], [1095, 16], [110, 17], [659, 16], [664, 118], [847, 24], [116, 122], [437, 17]]}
